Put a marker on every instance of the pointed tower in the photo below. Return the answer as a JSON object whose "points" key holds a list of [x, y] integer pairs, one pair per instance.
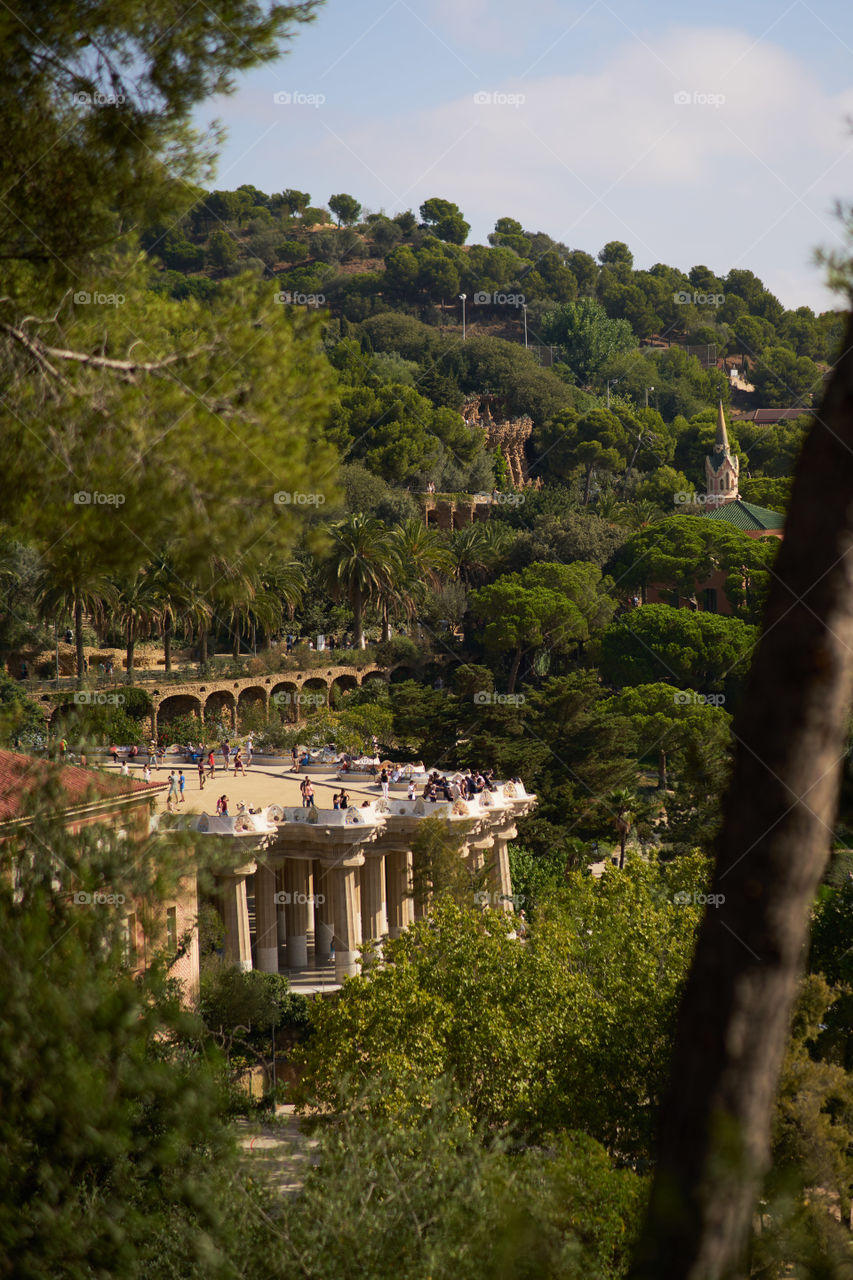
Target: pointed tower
{"points": [[721, 469]]}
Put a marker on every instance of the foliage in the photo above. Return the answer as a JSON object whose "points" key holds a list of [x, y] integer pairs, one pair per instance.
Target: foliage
{"points": [[420, 1194], [567, 1031], [686, 649]]}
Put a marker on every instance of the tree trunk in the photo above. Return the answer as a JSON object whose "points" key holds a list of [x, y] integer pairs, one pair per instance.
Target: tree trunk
{"points": [[513, 674], [235, 649], [78, 637], [587, 486], [202, 645], [168, 626], [662, 778], [734, 1020], [357, 627], [131, 645]]}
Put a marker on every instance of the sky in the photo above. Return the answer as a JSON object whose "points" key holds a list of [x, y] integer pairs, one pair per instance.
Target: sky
{"points": [[718, 134]]}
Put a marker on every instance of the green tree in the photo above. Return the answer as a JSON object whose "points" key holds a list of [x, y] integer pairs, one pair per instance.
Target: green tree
{"points": [[551, 606], [590, 339], [358, 565], [682, 552], [104, 142], [115, 1151], [445, 219], [222, 251], [345, 208], [784, 380], [690, 650]]}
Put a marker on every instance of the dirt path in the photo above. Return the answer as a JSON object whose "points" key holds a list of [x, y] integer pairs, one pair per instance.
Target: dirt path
{"points": [[279, 1147]]}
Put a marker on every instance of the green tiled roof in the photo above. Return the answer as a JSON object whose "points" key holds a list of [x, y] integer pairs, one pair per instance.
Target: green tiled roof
{"points": [[743, 515]]}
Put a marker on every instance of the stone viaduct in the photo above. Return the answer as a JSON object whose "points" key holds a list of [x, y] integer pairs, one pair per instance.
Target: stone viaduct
{"points": [[224, 697]]}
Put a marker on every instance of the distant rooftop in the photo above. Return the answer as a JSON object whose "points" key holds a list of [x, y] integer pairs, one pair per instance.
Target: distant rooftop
{"points": [[767, 417], [22, 776], [743, 515]]}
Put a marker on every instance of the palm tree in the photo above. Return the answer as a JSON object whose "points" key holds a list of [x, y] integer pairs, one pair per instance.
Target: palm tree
{"points": [[477, 548], [282, 586], [138, 609], [68, 584], [608, 507], [419, 558], [621, 805], [636, 515], [181, 607], [359, 565]]}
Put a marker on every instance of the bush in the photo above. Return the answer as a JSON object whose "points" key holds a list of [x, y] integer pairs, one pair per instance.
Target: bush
{"points": [[399, 649]]}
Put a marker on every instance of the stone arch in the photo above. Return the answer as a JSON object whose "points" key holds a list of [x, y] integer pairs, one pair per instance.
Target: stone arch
{"points": [[251, 698], [370, 677], [283, 701], [340, 685], [172, 705], [221, 704], [313, 696]]}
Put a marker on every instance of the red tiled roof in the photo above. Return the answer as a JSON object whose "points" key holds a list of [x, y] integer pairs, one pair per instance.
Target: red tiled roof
{"points": [[22, 776]]}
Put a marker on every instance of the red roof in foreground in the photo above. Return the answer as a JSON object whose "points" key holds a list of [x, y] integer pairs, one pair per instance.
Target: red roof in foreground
{"points": [[21, 776]]}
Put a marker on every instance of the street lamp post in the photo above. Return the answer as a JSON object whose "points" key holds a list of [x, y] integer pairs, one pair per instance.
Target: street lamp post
{"points": [[648, 389], [610, 382], [463, 296], [524, 313]]}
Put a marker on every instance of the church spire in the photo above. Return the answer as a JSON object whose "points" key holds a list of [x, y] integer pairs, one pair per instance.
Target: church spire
{"points": [[722, 440], [721, 468]]}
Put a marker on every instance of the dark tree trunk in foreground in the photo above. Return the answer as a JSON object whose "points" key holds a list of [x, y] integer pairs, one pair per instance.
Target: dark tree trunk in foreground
{"points": [[78, 637], [790, 735]]}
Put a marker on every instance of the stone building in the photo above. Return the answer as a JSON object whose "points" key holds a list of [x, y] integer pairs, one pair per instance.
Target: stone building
{"points": [[509, 435]]}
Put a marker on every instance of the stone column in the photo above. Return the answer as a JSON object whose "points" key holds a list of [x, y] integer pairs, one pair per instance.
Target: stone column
{"points": [[281, 927], [374, 914], [500, 877], [344, 878], [266, 919], [235, 913], [296, 878], [324, 920], [398, 879]]}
